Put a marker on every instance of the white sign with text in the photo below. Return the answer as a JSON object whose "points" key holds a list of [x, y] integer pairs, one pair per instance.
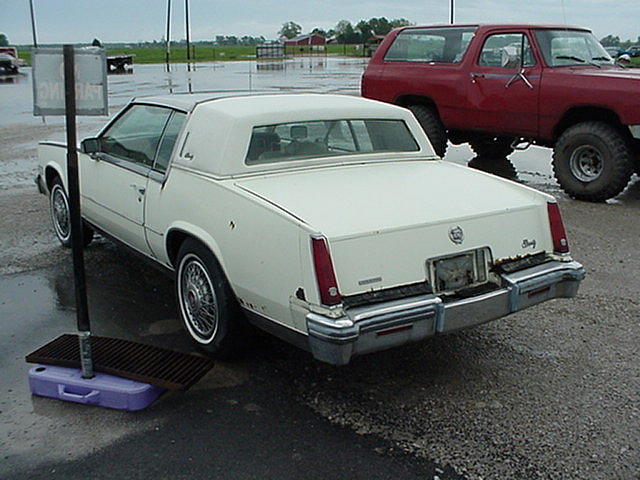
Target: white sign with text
{"points": [[48, 81]]}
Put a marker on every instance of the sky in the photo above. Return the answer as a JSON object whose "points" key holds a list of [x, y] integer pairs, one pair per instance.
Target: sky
{"points": [[71, 21]]}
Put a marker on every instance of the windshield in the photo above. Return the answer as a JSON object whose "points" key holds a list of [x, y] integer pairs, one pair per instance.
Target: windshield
{"points": [[571, 47], [327, 138]]}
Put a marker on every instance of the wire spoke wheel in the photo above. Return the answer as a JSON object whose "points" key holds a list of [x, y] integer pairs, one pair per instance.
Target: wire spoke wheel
{"points": [[198, 300], [60, 213], [586, 163]]}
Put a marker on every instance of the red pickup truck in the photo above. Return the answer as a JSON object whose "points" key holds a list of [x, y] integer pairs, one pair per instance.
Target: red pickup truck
{"points": [[500, 87]]}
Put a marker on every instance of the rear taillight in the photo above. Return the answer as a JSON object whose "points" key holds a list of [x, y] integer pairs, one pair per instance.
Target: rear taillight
{"points": [[325, 276], [559, 236]]}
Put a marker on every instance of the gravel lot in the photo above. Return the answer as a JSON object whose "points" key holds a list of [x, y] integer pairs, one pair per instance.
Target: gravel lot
{"points": [[549, 393]]}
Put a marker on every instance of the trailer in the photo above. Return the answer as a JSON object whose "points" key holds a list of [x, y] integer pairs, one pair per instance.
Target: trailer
{"points": [[119, 63]]}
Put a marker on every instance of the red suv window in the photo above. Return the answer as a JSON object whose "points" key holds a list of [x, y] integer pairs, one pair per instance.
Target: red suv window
{"points": [[438, 45]]}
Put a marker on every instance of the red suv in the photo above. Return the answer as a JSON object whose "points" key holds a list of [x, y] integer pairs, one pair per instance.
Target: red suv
{"points": [[499, 87]]}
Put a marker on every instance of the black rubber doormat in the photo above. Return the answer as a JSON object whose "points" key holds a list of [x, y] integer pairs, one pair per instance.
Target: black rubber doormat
{"points": [[124, 358]]}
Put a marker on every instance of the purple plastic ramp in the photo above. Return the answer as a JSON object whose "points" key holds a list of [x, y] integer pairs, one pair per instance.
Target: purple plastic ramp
{"points": [[102, 390]]}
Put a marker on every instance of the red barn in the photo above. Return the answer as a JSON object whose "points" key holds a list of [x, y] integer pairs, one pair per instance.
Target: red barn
{"points": [[309, 39]]}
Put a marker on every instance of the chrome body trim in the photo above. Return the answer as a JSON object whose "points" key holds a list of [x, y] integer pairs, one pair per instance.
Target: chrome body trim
{"points": [[376, 327]]}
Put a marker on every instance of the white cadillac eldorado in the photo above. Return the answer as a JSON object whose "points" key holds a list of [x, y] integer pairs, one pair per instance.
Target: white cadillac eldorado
{"points": [[327, 220]]}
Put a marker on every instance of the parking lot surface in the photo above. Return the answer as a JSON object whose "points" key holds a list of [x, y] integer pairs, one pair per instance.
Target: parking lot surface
{"points": [[550, 392]]}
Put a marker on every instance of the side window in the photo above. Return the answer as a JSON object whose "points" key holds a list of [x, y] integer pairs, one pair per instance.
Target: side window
{"points": [[168, 141], [438, 45], [135, 135], [505, 50]]}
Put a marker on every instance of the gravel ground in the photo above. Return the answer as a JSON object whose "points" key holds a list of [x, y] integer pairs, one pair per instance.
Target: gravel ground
{"points": [[549, 393]]}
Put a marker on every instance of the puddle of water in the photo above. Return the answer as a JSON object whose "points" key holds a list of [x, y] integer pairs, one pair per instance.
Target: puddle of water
{"points": [[326, 74]]}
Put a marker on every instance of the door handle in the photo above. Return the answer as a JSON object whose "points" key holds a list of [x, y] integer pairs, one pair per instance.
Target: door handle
{"points": [[138, 188], [476, 76]]}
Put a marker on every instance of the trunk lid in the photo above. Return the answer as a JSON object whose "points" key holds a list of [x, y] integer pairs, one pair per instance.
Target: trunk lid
{"points": [[385, 221]]}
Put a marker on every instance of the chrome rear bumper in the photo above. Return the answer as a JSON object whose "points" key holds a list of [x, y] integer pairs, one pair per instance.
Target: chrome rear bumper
{"points": [[385, 325]]}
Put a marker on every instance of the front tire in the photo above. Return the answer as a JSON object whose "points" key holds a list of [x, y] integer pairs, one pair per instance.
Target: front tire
{"points": [[592, 161], [433, 127], [206, 303], [61, 218]]}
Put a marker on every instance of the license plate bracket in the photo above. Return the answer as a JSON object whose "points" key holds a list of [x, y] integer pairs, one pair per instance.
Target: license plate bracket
{"points": [[458, 271]]}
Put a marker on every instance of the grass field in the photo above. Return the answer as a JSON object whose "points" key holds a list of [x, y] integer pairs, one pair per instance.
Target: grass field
{"points": [[207, 54]]}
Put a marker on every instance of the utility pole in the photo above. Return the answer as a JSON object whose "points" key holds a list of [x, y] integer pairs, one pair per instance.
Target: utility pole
{"points": [[186, 19], [451, 9], [167, 46], [33, 26]]}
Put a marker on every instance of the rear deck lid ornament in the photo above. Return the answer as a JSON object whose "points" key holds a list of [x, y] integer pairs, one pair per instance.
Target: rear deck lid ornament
{"points": [[456, 235]]}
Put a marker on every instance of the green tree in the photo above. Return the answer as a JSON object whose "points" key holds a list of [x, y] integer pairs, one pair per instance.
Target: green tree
{"points": [[4, 41], [610, 41], [290, 30], [345, 33], [365, 29], [319, 31], [380, 26], [400, 22]]}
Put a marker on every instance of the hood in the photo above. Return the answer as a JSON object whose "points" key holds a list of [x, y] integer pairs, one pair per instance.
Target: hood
{"points": [[611, 72]]}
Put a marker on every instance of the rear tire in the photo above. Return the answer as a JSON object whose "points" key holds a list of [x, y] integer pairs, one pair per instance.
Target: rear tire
{"points": [[492, 147], [60, 217], [206, 303], [433, 127], [592, 161]]}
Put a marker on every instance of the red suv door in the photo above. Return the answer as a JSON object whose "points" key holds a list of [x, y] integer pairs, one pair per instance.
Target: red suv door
{"points": [[504, 84]]}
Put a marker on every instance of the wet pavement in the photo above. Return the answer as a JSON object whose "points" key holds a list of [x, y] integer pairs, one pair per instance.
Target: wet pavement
{"points": [[551, 392]]}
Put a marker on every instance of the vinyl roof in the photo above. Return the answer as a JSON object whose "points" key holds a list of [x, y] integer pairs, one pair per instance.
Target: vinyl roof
{"points": [[186, 101], [242, 103]]}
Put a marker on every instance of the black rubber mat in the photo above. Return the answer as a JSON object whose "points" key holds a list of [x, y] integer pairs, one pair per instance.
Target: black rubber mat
{"points": [[124, 358]]}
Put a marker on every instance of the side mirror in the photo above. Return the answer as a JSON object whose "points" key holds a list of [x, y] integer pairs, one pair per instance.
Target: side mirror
{"points": [[90, 145]]}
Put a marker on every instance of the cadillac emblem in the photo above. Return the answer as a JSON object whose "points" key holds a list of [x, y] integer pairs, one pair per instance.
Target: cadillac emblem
{"points": [[456, 235]]}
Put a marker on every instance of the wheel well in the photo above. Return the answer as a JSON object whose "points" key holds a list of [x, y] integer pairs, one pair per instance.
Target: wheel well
{"points": [[408, 100], [50, 174], [577, 115], [175, 238]]}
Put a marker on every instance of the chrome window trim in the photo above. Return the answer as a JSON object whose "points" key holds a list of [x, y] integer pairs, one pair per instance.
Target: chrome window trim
{"points": [[138, 168]]}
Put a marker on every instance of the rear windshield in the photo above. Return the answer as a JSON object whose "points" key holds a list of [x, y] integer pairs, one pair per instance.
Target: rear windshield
{"points": [[327, 138], [439, 45]]}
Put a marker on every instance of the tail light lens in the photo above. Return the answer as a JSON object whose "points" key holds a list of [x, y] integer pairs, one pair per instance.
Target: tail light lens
{"points": [[559, 236], [325, 276]]}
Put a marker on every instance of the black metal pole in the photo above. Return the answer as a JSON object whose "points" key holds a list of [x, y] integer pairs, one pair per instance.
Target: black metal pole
{"points": [[168, 42], [33, 25], [451, 17], [186, 19], [82, 310]]}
